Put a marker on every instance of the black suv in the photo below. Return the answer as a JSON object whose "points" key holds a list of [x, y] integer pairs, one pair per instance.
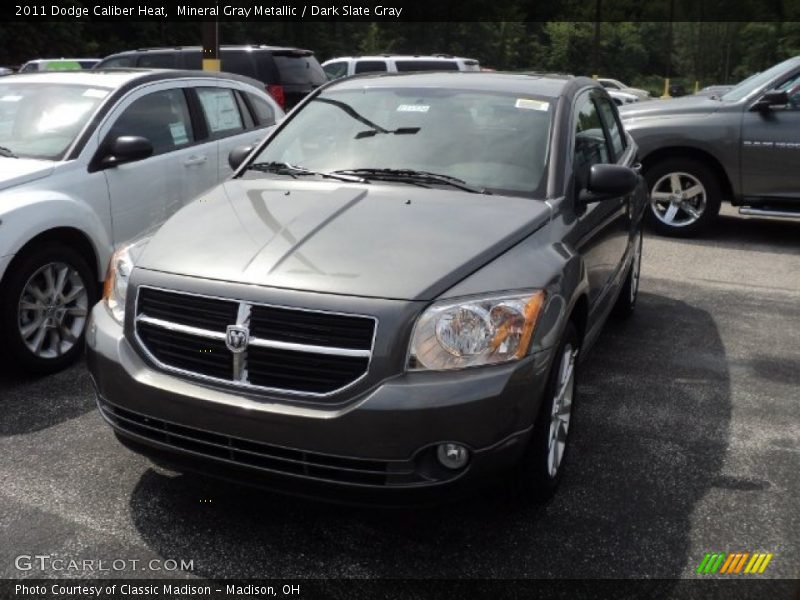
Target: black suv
{"points": [[288, 73]]}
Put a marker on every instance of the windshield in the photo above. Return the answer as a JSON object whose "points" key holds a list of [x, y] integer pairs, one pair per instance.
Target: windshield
{"points": [[493, 141], [41, 120], [749, 85]]}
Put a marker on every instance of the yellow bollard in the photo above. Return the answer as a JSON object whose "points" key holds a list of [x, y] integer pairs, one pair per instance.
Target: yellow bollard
{"points": [[666, 88], [212, 64]]}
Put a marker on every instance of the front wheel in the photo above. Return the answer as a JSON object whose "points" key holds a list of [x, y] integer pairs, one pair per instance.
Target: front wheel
{"points": [[44, 306], [685, 197], [540, 469]]}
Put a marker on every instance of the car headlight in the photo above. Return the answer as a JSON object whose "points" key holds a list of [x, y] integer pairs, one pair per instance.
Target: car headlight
{"points": [[119, 271], [474, 332]]}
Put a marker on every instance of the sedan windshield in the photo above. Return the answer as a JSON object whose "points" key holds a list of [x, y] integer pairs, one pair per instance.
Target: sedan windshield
{"points": [[428, 136], [41, 120]]}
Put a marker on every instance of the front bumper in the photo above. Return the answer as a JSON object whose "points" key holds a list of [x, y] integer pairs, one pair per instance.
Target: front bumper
{"points": [[380, 444]]}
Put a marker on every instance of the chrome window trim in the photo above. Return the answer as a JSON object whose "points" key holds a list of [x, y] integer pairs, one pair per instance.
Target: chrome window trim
{"points": [[261, 343]]}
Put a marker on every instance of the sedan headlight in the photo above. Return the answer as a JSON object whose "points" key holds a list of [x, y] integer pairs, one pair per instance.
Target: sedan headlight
{"points": [[119, 271], [474, 332]]}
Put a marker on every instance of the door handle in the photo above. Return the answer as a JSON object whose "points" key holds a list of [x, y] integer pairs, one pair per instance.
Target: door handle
{"points": [[194, 161]]}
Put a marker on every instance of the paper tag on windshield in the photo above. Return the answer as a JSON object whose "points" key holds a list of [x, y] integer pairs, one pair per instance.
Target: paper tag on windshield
{"points": [[95, 93], [423, 108], [10, 98], [529, 104]]}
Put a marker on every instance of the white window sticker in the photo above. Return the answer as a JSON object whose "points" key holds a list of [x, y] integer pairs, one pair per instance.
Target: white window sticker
{"points": [[178, 131], [95, 93], [422, 108], [529, 104], [10, 98]]}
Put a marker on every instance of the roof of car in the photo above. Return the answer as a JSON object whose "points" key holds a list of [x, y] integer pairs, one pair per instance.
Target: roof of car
{"points": [[200, 48], [443, 57], [115, 78], [521, 83]]}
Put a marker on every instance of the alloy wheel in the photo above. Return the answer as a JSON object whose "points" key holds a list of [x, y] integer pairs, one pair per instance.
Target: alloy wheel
{"points": [[561, 412], [678, 199], [52, 310], [636, 268]]}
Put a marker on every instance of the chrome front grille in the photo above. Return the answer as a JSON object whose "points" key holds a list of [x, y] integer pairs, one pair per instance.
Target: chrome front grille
{"points": [[251, 345]]}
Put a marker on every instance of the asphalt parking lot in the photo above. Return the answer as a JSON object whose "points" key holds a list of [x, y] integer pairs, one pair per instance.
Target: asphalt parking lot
{"points": [[687, 441]]}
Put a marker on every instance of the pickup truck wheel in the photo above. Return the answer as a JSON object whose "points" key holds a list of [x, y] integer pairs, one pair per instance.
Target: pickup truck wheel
{"points": [[685, 197], [626, 302], [44, 306], [540, 469]]}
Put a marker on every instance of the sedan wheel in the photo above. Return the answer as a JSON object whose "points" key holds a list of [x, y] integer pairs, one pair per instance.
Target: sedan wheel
{"points": [[52, 311], [44, 308], [539, 472], [561, 413]]}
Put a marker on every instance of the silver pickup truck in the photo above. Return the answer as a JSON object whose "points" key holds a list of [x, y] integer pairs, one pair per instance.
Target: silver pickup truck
{"points": [[743, 146]]}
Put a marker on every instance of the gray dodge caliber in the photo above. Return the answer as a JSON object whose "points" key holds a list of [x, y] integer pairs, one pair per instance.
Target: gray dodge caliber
{"points": [[389, 299]]}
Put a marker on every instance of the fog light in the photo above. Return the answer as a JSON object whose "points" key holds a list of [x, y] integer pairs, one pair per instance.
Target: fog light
{"points": [[452, 456]]}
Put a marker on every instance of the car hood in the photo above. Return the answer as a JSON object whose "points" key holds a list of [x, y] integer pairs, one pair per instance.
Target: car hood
{"points": [[16, 171], [384, 241], [698, 105]]}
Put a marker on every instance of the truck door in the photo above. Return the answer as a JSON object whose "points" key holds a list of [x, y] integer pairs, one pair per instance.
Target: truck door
{"points": [[771, 148]]}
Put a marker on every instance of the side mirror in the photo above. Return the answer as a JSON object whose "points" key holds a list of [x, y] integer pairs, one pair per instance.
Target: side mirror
{"points": [[125, 149], [607, 182], [770, 99], [238, 155]]}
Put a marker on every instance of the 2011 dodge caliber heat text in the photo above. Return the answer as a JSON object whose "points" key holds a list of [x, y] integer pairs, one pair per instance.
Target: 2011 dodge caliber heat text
{"points": [[388, 299]]}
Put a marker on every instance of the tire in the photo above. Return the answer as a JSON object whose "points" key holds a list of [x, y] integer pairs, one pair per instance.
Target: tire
{"points": [[539, 472], [33, 279], [685, 197], [626, 302]]}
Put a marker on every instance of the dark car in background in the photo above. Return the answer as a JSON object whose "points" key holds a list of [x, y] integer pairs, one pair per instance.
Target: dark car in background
{"points": [[288, 74], [742, 146], [390, 296]]}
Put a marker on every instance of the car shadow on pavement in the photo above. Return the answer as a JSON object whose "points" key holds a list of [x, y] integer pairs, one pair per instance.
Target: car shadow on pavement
{"points": [[30, 404], [649, 441]]}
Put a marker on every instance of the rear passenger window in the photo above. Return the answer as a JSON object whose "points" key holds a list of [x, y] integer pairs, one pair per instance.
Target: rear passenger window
{"points": [[239, 62], [609, 116], [299, 70], [157, 61], [220, 110], [262, 111], [370, 66], [161, 117], [426, 65], [336, 70], [120, 62]]}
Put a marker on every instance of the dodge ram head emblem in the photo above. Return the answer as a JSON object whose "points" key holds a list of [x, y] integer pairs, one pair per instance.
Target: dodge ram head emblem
{"points": [[236, 338]]}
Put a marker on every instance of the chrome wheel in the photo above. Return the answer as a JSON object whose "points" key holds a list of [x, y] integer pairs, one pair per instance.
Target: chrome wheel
{"points": [[561, 411], [678, 199], [636, 267], [52, 310]]}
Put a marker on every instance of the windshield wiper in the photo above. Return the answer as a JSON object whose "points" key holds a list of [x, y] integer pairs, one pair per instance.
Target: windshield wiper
{"points": [[398, 131], [7, 152], [412, 176], [284, 168]]}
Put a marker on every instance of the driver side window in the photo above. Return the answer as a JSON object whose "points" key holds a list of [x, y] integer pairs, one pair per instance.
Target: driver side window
{"points": [[792, 89], [591, 145], [161, 117]]}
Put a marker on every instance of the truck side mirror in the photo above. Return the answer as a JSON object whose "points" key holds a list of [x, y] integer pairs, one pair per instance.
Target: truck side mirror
{"points": [[770, 99]]}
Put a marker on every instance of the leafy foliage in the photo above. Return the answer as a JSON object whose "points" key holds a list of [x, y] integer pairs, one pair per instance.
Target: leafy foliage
{"points": [[634, 52]]}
